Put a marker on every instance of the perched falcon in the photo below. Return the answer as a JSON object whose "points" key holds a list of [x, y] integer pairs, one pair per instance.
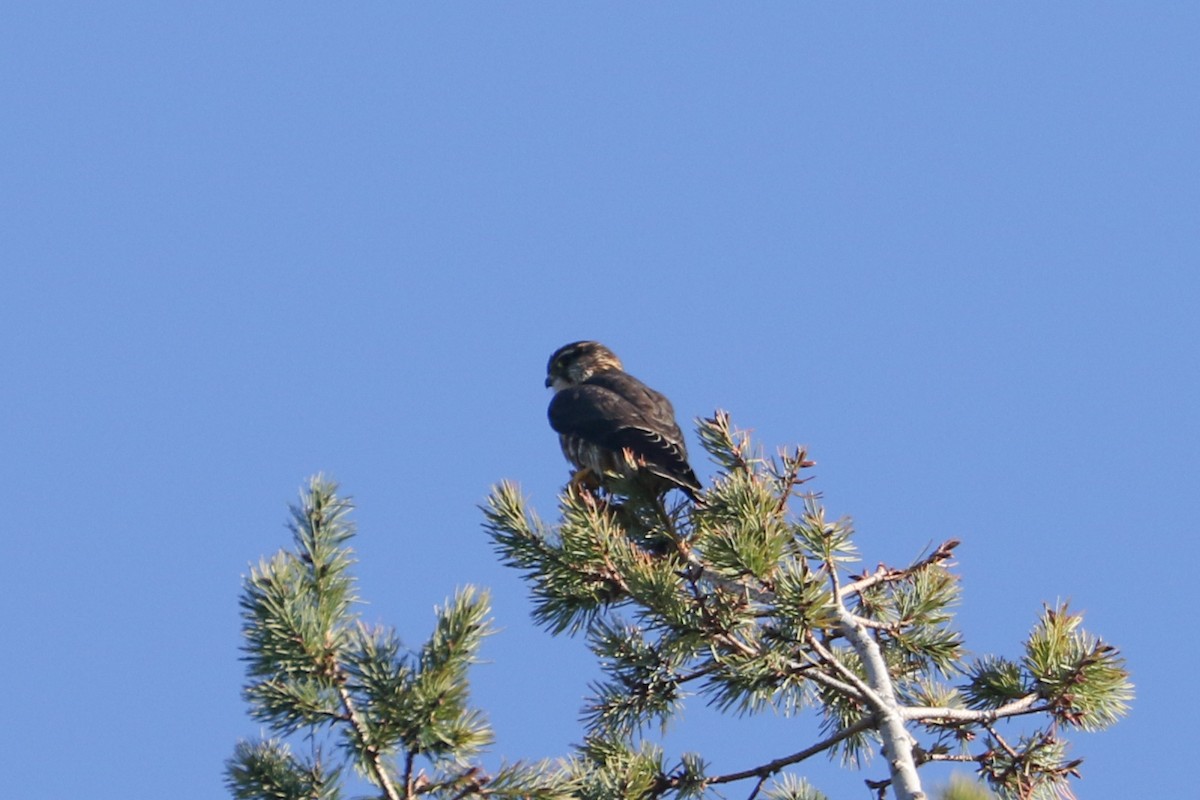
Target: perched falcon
{"points": [[599, 411]]}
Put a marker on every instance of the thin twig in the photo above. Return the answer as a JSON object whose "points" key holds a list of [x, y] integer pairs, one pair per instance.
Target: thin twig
{"points": [[830, 682], [791, 478], [813, 671], [830, 658], [374, 757], [707, 669], [409, 758], [771, 767], [472, 780], [960, 757], [834, 581], [888, 575], [721, 635], [1025, 705], [1000, 740], [879, 787]]}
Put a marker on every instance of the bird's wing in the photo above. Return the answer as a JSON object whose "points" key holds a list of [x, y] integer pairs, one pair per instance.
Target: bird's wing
{"points": [[617, 411]]}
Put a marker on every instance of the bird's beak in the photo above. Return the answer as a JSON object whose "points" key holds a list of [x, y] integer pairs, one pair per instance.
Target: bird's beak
{"points": [[549, 383]]}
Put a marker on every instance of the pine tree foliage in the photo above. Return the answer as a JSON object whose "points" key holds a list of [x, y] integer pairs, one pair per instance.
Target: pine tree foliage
{"points": [[962, 788], [753, 599], [268, 769], [402, 719], [750, 601]]}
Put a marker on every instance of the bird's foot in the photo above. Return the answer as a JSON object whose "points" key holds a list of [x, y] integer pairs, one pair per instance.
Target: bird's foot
{"points": [[585, 481]]}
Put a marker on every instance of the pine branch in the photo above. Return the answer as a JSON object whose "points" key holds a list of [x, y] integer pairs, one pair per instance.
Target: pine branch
{"points": [[313, 664], [374, 756], [268, 769], [739, 598], [897, 742], [772, 767], [813, 672], [854, 685], [889, 575], [1026, 705], [789, 477]]}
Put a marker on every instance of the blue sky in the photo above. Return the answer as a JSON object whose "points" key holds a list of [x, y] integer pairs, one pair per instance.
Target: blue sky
{"points": [[952, 248]]}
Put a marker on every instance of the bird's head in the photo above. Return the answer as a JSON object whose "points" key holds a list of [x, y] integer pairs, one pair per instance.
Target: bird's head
{"points": [[574, 363]]}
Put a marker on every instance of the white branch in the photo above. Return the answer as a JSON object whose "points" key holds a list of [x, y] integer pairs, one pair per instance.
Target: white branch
{"points": [[1023, 706], [897, 743]]}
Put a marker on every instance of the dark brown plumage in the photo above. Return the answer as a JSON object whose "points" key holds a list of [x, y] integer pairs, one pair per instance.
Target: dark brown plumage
{"points": [[600, 411]]}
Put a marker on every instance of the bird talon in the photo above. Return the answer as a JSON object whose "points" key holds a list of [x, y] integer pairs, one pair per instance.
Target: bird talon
{"points": [[585, 480]]}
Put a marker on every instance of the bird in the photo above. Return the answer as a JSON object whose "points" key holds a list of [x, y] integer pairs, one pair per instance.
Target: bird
{"points": [[609, 422]]}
